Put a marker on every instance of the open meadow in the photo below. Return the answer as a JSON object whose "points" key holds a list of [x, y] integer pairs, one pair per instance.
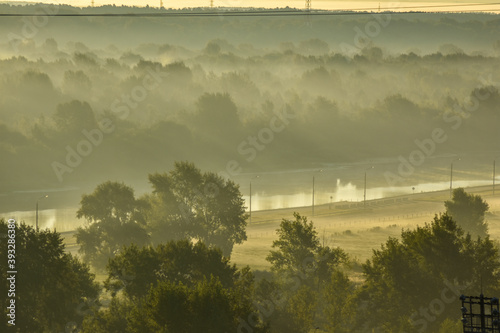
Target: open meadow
{"points": [[348, 225], [356, 230]]}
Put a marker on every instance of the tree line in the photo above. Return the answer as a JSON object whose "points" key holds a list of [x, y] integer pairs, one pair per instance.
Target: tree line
{"points": [[166, 256]]}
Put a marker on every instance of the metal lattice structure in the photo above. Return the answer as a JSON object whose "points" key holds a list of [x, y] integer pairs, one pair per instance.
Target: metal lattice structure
{"points": [[480, 314], [308, 5]]}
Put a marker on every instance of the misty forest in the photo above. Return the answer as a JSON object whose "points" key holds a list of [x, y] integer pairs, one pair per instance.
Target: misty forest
{"points": [[151, 131]]}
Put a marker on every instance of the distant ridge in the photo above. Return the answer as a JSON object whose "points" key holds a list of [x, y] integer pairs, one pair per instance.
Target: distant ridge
{"points": [[17, 3]]}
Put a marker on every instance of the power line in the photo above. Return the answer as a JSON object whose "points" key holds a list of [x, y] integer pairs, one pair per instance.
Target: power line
{"points": [[262, 13], [233, 14]]}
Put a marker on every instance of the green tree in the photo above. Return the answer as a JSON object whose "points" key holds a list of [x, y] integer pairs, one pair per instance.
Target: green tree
{"points": [[71, 118], [135, 270], [468, 211], [51, 285], [212, 111], [302, 265], [176, 308], [296, 245], [301, 307], [77, 83], [406, 279], [203, 206], [114, 220], [287, 305], [338, 294], [177, 287], [110, 200], [114, 318], [451, 326], [298, 250]]}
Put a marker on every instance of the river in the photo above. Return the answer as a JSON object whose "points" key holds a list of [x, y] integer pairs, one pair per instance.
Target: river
{"points": [[64, 219]]}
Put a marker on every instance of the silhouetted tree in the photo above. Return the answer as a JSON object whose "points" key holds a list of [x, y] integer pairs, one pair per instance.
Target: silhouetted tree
{"points": [[113, 319], [338, 294], [176, 287], [299, 250], [205, 307], [404, 278], [468, 211], [51, 285], [204, 206], [114, 220], [135, 269], [73, 117], [302, 267]]}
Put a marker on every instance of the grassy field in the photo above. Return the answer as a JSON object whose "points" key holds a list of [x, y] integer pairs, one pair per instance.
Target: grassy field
{"points": [[355, 228]]}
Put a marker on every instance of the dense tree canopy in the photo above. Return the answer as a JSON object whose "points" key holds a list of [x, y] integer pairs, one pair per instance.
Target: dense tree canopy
{"points": [[468, 211], [428, 269], [298, 250], [175, 287], [204, 206], [51, 285], [302, 284], [135, 269], [185, 204], [114, 220]]}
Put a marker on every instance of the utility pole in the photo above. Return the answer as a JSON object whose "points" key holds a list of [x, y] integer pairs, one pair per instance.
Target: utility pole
{"points": [[313, 198], [494, 176], [250, 198], [313, 194], [451, 176], [364, 192], [36, 219]]}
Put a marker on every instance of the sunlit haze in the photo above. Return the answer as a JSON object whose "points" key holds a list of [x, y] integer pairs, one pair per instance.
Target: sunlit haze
{"points": [[306, 166], [315, 4]]}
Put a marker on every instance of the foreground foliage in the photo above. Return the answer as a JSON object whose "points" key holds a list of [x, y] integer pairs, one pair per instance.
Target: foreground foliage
{"points": [[51, 286], [185, 204], [419, 278]]}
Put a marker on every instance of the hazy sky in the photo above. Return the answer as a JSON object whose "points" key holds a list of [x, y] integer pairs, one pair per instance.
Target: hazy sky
{"points": [[316, 4]]}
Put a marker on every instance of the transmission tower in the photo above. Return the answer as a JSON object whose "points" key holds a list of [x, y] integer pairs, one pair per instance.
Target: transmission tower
{"points": [[161, 3], [211, 3], [308, 5], [92, 3]]}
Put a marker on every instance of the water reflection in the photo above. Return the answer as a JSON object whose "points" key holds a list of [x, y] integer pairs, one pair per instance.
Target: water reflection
{"points": [[348, 192], [61, 219], [65, 219]]}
